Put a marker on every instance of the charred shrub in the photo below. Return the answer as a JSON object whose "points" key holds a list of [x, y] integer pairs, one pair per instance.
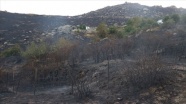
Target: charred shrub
{"points": [[3, 87], [83, 90], [145, 73]]}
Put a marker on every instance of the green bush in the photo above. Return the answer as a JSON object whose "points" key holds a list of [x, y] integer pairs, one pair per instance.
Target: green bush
{"points": [[132, 26], [136, 24], [12, 51], [112, 30], [183, 19], [34, 50], [102, 30], [166, 18], [134, 21], [130, 29], [170, 21], [176, 18], [82, 27], [148, 23], [120, 34], [61, 43]]}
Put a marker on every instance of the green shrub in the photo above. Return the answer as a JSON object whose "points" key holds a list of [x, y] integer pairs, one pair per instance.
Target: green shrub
{"points": [[166, 18], [12, 51], [176, 18], [130, 29], [102, 30], [148, 23], [136, 24], [120, 34], [34, 50], [112, 30], [183, 19], [169, 23], [136, 21], [82, 27], [61, 43]]}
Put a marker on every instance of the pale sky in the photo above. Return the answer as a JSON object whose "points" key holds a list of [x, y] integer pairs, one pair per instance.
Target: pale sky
{"points": [[74, 7]]}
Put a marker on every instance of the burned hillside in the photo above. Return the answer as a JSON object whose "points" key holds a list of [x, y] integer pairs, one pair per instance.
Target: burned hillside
{"points": [[115, 55]]}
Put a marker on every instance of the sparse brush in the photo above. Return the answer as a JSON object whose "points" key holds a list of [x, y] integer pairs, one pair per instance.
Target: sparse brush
{"points": [[146, 73]]}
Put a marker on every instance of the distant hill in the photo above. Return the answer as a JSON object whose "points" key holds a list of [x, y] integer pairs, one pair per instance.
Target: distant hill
{"points": [[128, 10], [120, 13], [24, 28]]}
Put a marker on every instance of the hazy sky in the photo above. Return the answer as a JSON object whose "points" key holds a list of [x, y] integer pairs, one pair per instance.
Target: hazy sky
{"points": [[74, 7]]}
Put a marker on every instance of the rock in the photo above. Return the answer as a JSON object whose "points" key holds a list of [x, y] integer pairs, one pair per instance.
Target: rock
{"points": [[50, 34], [1, 39], [96, 74], [145, 94], [10, 44], [43, 34], [119, 99], [145, 9], [160, 21], [65, 29], [174, 33], [152, 90], [27, 37], [5, 43]]}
